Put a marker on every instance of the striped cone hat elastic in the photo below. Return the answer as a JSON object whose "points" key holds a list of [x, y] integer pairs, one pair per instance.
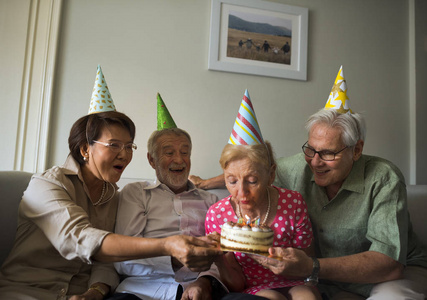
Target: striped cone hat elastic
{"points": [[246, 130]]}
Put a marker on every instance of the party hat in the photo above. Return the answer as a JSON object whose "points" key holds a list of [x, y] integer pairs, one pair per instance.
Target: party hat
{"points": [[246, 130], [101, 100], [338, 99], [164, 119]]}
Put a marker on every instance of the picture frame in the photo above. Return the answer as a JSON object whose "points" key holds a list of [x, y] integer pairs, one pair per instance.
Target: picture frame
{"points": [[258, 37]]}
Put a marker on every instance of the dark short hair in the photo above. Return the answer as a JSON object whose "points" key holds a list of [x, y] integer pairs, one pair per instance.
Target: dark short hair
{"points": [[89, 128]]}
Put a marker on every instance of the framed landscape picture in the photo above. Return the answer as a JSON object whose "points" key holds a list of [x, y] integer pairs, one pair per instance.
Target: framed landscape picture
{"points": [[258, 37]]}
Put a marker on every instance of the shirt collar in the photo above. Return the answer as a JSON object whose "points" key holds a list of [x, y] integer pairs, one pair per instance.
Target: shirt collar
{"points": [[354, 181], [72, 167], [191, 188]]}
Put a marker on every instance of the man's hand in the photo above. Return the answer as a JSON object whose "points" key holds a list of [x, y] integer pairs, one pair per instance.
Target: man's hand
{"points": [[216, 182], [201, 289], [196, 180], [214, 237], [197, 254], [93, 294], [289, 262], [88, 295]]}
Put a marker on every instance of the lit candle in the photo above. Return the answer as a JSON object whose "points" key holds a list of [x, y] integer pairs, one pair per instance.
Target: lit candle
{"points": [[248, 220], [255, 221]]}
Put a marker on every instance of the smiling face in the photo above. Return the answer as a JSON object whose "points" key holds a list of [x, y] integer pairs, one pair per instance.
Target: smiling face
{"points": [[331, 174], [172, 161], [103, 163], [247, 183]]}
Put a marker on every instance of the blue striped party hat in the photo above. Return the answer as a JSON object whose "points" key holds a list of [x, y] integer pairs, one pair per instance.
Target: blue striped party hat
{"points": [[246, 130]]}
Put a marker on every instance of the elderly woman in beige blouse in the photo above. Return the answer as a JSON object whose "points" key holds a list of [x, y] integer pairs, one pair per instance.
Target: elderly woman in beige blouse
{"points": [[64, 244]]}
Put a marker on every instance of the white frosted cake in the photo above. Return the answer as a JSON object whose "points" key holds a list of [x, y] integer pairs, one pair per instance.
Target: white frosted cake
{"points": [[242, 237]]}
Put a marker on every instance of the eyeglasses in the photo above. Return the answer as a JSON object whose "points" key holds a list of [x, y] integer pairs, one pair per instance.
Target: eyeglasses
{"points": [[323, 154], [118, 146]]}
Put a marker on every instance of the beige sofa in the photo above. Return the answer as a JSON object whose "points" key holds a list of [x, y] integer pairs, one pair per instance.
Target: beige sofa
{"points": [[13, 184]]}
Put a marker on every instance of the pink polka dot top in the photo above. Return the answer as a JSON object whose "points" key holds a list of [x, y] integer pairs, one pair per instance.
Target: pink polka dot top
{"points": [[291, 227]]}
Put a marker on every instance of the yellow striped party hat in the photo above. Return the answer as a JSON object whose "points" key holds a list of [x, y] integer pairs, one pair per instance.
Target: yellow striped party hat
{"points": [[246, 130], [338, 99], [101, 100]]}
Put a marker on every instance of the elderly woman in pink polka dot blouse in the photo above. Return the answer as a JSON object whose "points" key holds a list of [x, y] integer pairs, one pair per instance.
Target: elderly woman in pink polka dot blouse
{"points": [[249, 171]]}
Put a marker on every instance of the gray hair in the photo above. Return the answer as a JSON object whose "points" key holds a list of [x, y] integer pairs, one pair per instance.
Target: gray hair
{"points": [[152, 146], [352, 126]]}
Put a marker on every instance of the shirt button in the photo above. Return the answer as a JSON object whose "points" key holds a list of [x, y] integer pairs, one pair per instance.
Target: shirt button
{"points": [[324, 207]]}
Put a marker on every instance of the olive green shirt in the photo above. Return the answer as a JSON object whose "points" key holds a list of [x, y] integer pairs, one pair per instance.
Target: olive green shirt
{"points": [[369, 212]]}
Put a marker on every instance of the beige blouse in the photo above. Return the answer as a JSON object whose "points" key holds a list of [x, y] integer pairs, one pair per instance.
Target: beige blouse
{"points": [[59, 229]]}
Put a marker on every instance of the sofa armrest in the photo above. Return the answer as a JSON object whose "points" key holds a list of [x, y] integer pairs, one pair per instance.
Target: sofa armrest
{"points": [[12, 186], [417, 207]]}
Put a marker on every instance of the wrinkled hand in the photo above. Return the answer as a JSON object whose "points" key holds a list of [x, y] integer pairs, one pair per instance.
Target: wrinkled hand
{"points": [[201, 289], [197, 254], [88, 295], [291, 262], [214, 237], [196, 180]]}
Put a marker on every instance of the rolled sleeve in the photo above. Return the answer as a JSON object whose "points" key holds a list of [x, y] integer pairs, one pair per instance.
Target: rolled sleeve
{"points": [[388, 222]]}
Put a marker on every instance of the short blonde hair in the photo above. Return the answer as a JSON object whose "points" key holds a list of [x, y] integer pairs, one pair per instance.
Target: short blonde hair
{"points": [[261, 154]]}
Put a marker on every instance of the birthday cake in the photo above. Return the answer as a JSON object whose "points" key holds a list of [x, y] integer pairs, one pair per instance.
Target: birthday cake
{"points": [[246, 237]]}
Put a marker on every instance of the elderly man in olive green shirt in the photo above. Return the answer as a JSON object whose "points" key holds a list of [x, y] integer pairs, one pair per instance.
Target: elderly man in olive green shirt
{"points": [[357, 204], [364, 242], [363, 232]]}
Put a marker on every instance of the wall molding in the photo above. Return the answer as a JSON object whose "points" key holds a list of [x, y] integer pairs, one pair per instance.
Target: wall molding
{"points": [[25, 86], [48, 75], [32, 142]]}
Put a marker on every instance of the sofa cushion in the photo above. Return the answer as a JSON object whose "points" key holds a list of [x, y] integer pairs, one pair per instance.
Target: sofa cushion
{"points": [[12, 186]]}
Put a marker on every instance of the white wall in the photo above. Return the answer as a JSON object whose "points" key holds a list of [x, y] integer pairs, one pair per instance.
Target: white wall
{"points": [[12, 54], [145, 47]]}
